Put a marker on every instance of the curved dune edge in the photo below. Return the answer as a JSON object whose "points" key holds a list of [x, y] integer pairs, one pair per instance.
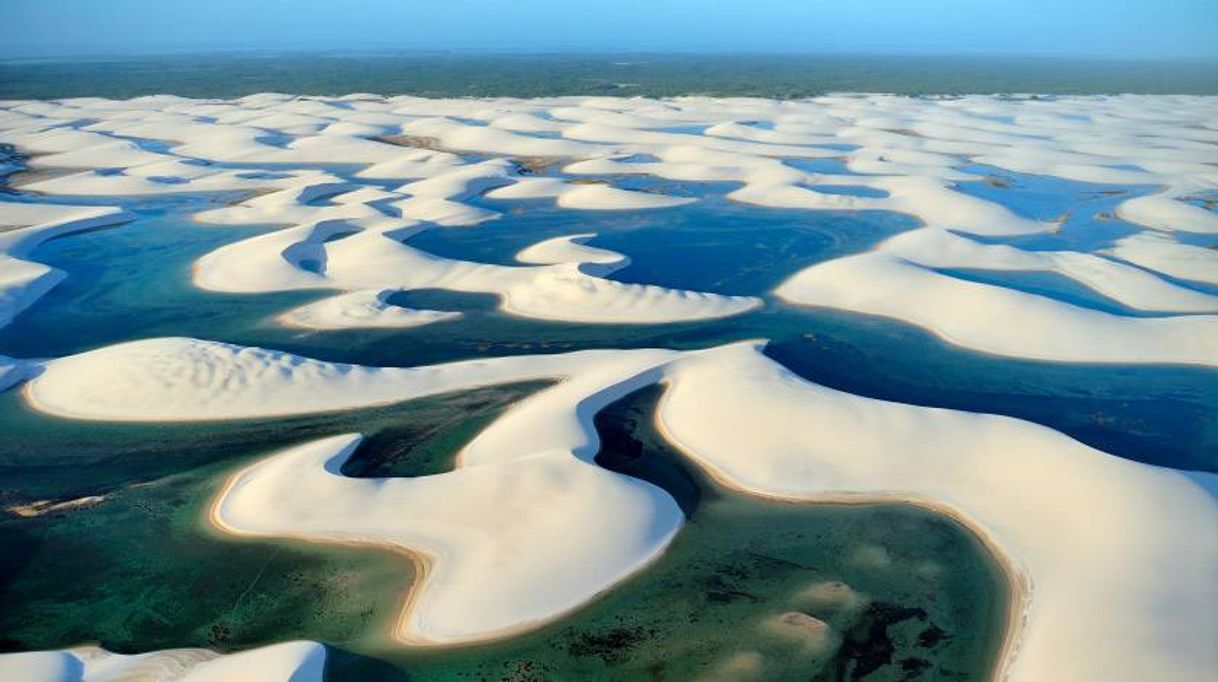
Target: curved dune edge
{"points": [[297, 661], [1051, 510], [175, 379], [1056, 509], [360, 309], [358, 254], [867, 152], [452, 569], [909, 151], [23, 228], [497, 455], [1017, 580], [1000, 321], [423, 564]]}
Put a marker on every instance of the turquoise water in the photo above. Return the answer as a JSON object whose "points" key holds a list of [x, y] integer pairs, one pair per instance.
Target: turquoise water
{"points": [[133, 282], [138, 571]]}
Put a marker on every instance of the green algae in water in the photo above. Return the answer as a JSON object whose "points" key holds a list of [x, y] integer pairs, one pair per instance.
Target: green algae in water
{"points": [[750, 587], [756, 589], [139, 570], [735, 595]]}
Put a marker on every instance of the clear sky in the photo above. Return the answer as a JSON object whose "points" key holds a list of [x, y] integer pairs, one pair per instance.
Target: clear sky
{"points": [[1139, 29]]}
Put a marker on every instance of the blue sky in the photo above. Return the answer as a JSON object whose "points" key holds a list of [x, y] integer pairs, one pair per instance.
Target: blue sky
{"points": [[1138, 29]]}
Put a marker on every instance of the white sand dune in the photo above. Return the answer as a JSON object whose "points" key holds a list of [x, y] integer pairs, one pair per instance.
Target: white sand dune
{"points": [[1168, 214], [460, 136], [538, 525], [1164, 254], [181, 379], [363, 309], [1092, 533], [1113, 562], [901, 279], [458, 180], [316, 251], [1120, 282], [928, 198], [412, 164], [290, 661], [132, 183], [1083, 534], [908, 154], [497, 510], [596, 197], [374, 256], [995, 319], [571, 249]]}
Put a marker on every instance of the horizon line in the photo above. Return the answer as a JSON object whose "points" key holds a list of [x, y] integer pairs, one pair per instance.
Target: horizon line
{"points": [[51, 55]]}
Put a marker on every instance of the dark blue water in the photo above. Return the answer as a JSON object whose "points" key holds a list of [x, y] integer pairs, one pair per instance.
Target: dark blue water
{"points": [[133, 282], [154, 580], [1084, 209]]}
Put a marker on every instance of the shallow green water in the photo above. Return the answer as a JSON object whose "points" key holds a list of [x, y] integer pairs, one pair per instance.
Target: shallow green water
{"points": [[140, 569], [137, 571], [923, 599], [134, 282]]}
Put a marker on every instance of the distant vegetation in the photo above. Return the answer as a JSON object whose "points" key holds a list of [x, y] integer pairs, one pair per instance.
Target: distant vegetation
{"points": [[451, 75]]}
